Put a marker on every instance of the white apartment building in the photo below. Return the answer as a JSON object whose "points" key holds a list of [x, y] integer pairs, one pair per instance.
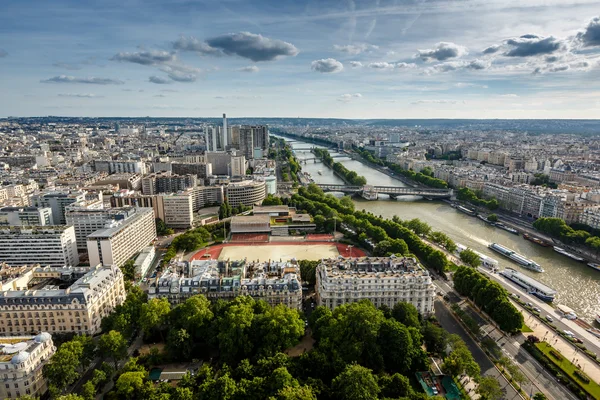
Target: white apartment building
{"points": [[57, 201], [46, 245], [382, 280], [79, 308], [178, 210], [15, 216], [22, 359], [120, 166], [591, 217], [247, 192], [143, 261], [87, 221], [121, 240]]}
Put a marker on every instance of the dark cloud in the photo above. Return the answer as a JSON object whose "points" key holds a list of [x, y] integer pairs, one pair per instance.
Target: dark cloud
{"points": [[327, 65], [3, 53], [159, 80], [194, 45], [356, 64], [491, 50], [443, 51], [150, 57], [477, 65], [70, 67], [249, 68], [79, 95], [591, 35], [532, 45], [91, 80], [551, 59], [252, 46], [458, 65]]}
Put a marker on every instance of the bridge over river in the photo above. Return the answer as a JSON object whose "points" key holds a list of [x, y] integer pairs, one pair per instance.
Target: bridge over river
{"points": [[392, 191]]}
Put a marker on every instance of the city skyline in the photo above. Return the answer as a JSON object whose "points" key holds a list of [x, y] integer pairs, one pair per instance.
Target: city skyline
{"points": [[352, 59]]}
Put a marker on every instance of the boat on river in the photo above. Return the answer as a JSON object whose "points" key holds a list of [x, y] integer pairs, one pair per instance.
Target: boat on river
{"points": [[466, 210], [484, 219], [572, 256], [532, 286], [594, 266], [516, 257], [536, 240], [506, 228]]}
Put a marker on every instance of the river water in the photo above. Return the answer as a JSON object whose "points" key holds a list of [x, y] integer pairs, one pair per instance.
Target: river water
{"points": [[578, 286]]}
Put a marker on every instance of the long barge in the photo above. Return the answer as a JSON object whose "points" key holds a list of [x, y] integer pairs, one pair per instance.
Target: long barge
{"points": [[565, 253], [536, 240], [516, 257], [532, 286]]}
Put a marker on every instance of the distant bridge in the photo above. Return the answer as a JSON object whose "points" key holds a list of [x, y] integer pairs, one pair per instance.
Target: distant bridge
{"points": [[315, 159], [392, 191]]}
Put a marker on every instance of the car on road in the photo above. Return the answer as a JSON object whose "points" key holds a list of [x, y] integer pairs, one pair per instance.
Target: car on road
{"points": [[528, 304], [537, 309], [516, 296], [549, 318]]}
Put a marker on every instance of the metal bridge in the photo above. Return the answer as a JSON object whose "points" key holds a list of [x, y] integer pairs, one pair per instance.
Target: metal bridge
{"points": [[315, 159], [392, 191]]}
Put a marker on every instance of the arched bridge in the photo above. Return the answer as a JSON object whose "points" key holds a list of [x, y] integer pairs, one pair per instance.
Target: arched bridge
{"points": [[392, 191]]}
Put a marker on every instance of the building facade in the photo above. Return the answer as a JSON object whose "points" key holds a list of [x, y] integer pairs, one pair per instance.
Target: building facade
{"points": [[120, 166], [121, 240], [22, 359], [249, 192], [28, 216], [161, 182], [57, 201], [47, 245], [79, 308], [87, 221], [382, 280]]}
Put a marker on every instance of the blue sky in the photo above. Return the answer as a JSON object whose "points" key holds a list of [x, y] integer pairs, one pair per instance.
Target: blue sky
{"points": [[344, 58]]}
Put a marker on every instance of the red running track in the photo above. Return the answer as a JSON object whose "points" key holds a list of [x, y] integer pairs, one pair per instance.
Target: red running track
{"points": [[215, 251]]}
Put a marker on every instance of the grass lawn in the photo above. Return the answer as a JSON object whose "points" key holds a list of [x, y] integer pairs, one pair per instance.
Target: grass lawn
{"points": [[569, 369], [525, 328]]}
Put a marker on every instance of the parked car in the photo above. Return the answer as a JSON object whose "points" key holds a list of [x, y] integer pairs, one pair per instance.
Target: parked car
{"points": [[528, 304], [549, 318], [537, 309]]}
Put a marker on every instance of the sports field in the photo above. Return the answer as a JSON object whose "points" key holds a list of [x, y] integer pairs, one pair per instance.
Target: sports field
{"points": [[277, 251], [283, 252]]}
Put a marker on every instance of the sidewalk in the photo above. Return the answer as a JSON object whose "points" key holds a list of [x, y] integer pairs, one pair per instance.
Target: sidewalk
{"points": [[564, 347]]}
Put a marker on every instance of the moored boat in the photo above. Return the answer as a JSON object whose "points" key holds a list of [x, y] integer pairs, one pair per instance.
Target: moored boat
{"points": [[594, 266], [532, 286], [506, 228], [466, 210], [516, 257], [536, 240], [598, 318], [572, 256]]}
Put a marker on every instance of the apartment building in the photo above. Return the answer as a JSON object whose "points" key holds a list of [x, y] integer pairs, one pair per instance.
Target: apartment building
{"points": [[120, 166], [22, 359], [121, 240], [88, 220], [274, 282], [165, 182], [28, 216], [78, 308], [57, 201], [200, 169], [178, 210], [382, 280], [47, 245], [248, 192]]}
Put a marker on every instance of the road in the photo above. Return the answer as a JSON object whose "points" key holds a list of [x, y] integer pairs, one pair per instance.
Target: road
{"points": [[449, 323]]}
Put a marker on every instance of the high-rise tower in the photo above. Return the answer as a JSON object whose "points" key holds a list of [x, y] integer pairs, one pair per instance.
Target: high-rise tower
{"points": [[225, 132]]}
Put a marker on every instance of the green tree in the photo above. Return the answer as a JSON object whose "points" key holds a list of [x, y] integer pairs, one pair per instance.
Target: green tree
{"points": [[272, 200], [539, 396], [470, 258], [396, 346], [395, 386], [460, 360], [130, 385], [308, 269], [489, 388], [355, 383], [406, 313], [492, 218], [128, 270], [277, 329], [419, 227], [88, 391], [63, 368], [113, 345], [153, 315], [435, 338], [234, 328], [295, 393]]}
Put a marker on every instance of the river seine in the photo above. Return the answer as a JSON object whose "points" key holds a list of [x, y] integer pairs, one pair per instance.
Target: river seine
{"points": [[578, 286]]}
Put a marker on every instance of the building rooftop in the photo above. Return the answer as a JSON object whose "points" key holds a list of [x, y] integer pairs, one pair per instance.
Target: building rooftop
{"points": [[372, 267], [117, 226], [17, 349]]}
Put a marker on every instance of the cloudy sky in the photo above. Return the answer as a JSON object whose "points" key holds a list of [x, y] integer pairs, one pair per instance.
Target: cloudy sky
{"points": [[307, 58]]}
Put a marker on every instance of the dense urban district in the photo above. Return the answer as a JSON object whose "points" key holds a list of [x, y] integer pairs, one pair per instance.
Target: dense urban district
{"points": [[240, 259]]}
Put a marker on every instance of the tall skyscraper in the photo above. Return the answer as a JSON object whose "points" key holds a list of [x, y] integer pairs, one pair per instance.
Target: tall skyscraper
{"points": [[225, 132], [252, 137]]}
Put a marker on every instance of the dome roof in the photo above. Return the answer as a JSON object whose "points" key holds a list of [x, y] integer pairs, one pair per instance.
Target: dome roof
{"points": [[20, 358], [42, 337]]}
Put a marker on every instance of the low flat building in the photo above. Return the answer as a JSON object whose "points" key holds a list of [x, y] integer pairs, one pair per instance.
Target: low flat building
{"points": [[143, 261], [22, 359], [382, 280], [121, 240], [28, 216], [274, 282], [251, 224], [45, 307]]}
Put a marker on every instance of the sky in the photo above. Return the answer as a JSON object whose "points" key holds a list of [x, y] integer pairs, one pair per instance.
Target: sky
{"points": [[301, 58]]}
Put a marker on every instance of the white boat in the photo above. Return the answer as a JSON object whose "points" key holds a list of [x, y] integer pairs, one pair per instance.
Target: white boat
{"points": [[532, 286], [594, 266], [572, 256], [487, 262], [516, 257]]}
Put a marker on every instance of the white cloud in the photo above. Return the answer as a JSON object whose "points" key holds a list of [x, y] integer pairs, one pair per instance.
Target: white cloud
{"points": [[327, 66], [354, 49], [346, 98], [442, 51]]}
